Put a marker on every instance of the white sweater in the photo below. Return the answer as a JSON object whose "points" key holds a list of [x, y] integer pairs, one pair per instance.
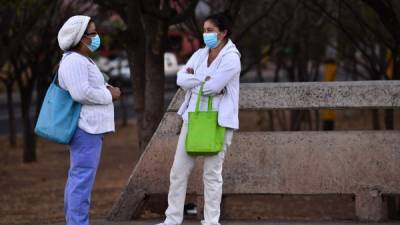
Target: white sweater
{"points": [[81, 77], [225, 77]]}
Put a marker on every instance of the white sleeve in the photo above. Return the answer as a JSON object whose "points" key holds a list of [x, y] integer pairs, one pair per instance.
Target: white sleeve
{"points": [[227, 70], [186, 80], [76, 80]]}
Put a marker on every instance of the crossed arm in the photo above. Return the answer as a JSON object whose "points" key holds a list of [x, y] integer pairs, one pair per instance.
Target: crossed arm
{"points": [[215, 83]]}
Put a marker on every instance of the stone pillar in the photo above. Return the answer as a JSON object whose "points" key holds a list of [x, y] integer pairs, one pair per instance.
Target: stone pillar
{"points": [[369, 205]]}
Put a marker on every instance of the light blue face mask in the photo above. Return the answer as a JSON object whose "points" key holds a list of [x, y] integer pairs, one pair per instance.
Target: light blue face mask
{"points": [[94, 43], [211, 39]]}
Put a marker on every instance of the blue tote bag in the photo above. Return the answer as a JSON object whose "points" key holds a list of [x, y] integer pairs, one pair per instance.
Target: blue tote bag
{"points": [[59, 115]]}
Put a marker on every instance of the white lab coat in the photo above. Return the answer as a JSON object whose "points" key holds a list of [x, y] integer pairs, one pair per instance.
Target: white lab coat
{"points": [[83, 80], [225, 77]]}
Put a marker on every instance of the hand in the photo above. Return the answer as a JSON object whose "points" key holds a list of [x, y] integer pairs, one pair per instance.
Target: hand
{"points": [[190, 70], [115, 92]]}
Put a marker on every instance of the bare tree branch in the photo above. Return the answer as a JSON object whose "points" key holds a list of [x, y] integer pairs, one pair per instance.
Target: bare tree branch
{"points": [[348, 34], [186, 13], [387, 16], [253, 22], [366, 26]]}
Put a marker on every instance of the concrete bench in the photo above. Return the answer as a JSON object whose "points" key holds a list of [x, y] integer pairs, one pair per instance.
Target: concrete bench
{"points": [[363, 163]]}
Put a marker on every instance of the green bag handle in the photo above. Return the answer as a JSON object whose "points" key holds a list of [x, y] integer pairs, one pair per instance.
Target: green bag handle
{"points": [[199, 97]]}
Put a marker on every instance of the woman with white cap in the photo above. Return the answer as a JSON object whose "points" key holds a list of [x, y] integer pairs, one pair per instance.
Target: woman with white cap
{"points": [[80, 76]]}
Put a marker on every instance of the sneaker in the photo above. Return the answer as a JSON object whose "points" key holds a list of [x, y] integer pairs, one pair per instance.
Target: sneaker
{"points": [[190, 209]]}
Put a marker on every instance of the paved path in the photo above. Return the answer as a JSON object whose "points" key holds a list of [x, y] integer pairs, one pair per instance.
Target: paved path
{"points": [[254, 222]]}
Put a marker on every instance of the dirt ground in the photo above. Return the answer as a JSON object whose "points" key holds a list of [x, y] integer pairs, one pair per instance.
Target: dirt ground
{"points": [[33, 193]]}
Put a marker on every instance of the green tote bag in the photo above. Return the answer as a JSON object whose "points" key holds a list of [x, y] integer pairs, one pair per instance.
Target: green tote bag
{"points": [[205, 136]]}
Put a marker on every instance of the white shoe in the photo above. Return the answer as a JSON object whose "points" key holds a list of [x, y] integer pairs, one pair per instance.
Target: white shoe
{"points": [[161, 224]]}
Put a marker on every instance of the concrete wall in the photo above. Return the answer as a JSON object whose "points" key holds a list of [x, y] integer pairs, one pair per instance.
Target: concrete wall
{"points": [[314, 95]]}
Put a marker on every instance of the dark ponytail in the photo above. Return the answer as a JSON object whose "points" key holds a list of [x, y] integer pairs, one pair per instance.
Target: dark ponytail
{"points": [[222, 21]]}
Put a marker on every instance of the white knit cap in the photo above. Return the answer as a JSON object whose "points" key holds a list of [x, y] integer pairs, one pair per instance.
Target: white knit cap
{"points": [[72, 31]]}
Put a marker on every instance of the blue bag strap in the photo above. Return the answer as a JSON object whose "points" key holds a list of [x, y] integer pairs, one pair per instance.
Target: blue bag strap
{"points": [[55, 77]]}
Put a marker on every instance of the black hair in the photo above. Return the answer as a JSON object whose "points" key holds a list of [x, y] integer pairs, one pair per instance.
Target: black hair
{"points": [[222, 21]]}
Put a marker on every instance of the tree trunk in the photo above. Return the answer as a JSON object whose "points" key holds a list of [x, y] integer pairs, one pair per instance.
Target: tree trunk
{"points": [[309, 119], [271, 120], [156, 37], [282, 119], [136, 56], [277, 70], [26, 85], [389, 113], [396, 62], [295, 119], [29, 140], [317, 119], [29, 145], [11, 116], [389, 119], [375, 119], [44, 72], [124, 113], [259, 68]]}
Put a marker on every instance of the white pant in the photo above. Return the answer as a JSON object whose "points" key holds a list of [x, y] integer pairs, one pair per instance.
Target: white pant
{"points": [[212, 178]]}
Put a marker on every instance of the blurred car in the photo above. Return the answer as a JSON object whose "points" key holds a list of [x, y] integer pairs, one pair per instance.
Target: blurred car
{"points": [[171, 66], [118, 68]]}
